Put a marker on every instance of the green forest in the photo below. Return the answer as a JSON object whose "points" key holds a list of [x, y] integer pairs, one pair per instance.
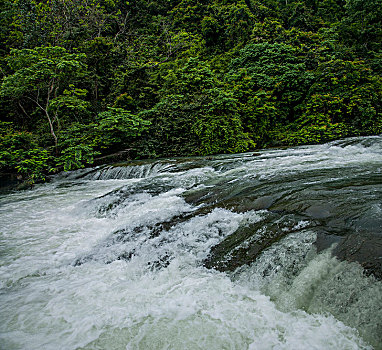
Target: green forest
{"points": [[81, 80]]}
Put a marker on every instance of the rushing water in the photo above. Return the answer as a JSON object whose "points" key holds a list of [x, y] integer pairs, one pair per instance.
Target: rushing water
{"points": [[247, 251]]}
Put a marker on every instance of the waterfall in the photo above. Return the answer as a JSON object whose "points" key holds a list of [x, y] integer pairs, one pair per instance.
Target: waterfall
{"points": [[275, 250]]}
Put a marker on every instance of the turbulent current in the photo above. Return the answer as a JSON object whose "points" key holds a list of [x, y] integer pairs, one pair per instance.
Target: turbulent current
{"points": [[279, 249]]}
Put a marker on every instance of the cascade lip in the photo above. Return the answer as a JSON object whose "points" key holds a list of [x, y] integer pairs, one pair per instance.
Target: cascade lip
{"points": [[162, 226], [308, 193]]}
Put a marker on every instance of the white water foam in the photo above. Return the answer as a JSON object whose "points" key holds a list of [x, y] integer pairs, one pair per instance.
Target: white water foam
{"points": [[291, 298]]}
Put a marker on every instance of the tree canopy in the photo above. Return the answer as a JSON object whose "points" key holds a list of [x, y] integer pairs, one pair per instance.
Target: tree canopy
{"points": [[182, 77]]}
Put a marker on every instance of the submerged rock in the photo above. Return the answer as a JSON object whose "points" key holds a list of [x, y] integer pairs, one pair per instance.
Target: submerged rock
{"points": [[248, 242], [364, 248]]}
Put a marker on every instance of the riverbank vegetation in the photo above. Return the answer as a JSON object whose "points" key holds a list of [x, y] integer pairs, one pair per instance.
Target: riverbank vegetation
{"points": [[81, 80]]}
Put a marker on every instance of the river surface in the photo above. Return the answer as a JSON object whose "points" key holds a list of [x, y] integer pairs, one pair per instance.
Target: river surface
{"points": [[274, 250]]}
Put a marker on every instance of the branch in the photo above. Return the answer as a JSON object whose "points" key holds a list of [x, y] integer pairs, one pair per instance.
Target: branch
{"points": [[50, 90], [122, 27], [22, 108], [55, 116], [169, 55], [55, 90], [36, 102]]}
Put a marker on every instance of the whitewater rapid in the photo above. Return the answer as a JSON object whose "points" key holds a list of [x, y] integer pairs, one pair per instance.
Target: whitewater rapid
{"points": [[114, 257]]}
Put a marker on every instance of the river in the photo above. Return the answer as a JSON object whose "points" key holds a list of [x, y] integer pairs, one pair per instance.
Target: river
{"points": [[279, 249]]}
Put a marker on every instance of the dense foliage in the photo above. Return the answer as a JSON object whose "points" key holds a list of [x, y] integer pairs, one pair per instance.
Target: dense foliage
{"points": [[81, 80]]}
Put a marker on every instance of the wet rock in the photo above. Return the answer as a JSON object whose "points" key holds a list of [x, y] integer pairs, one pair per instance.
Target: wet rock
{"points": [[319, 211], [10, 181], [120, 156], [264, 202], [161, 262], [352, 246], [364, 248], [25, 185], [325, 241], [244, 198], [247, 243]]}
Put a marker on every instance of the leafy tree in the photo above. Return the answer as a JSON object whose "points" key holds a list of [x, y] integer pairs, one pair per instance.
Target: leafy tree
{"points": [[343, 101], [331, 11], [118, 126], [20, 151], [7, 12], [361, 26], [196, 115], [188, 15], [227, 24], [39, 78], [353, 85], [65, 23], [112, 128], [100, 54], [218, 125], [210, 76], [270, 80], [318, 123]]}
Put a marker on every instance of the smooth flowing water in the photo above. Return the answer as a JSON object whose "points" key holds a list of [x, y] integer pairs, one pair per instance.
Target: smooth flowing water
{"points": [[275, 250]]}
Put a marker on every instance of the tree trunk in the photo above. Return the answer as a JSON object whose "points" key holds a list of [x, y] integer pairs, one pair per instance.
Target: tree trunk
{"points": [[52, 131]]}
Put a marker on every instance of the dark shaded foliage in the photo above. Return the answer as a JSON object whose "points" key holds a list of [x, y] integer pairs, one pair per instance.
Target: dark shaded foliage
{"points": [[182, 77]]}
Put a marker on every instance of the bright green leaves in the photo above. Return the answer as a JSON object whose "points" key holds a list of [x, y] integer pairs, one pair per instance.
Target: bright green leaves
{"points": [[82, 142], [211, 76], [38, 79], [344, 100], [117, 126], [19, 150], [194, 77], [260, 112], [187, 14], [335, 99], [331, 10], [45, 78], [223, 24], [78, 143], [42, 68], [320, 122], [270, 80], [272, 67], [227, 23], [196, 114], [352, 83], [66, 23], [218, 125]]}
